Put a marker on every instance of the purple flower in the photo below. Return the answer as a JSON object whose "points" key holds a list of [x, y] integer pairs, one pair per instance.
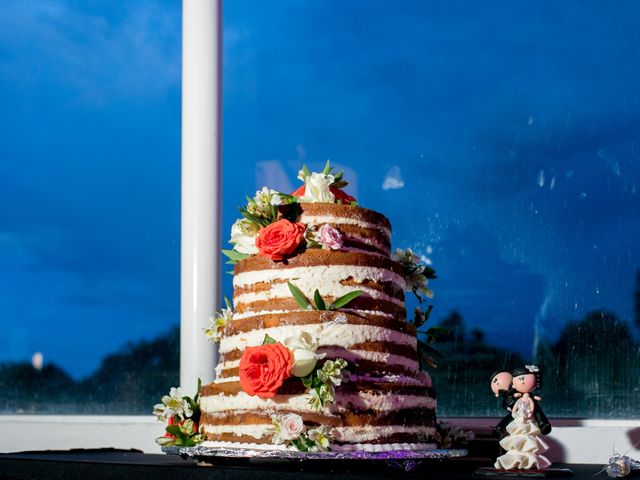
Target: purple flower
{"points": [[330, 237]]}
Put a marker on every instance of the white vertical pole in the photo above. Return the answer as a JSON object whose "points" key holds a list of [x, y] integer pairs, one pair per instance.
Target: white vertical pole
{"points": [[201, 178]]}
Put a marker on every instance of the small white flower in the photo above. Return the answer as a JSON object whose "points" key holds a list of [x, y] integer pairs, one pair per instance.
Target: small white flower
{"points": [[263, 201], [243, 236], [319, 437], [327, 393], [331, 372], [173, 405], [532, 368], [405, 257], [312, 237], [316, 189], [315, 401], [276, 199], [217, 324]]}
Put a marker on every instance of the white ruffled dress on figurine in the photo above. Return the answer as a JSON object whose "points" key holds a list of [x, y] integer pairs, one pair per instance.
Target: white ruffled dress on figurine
{"points": [[524, 445]]}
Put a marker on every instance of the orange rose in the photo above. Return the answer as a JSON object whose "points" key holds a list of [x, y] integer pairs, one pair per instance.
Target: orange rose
{"points": [[264, 368], [341, 195], [279, 239]]}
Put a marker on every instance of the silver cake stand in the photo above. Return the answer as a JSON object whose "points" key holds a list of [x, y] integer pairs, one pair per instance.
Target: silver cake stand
{"points": [[404, 459]]}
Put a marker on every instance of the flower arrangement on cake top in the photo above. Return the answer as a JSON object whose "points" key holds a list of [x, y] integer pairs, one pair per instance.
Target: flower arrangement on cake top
{"points": [[268, 226]]}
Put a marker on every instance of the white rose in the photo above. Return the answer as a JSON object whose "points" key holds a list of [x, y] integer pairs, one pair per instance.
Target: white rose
{"points": [[303, 350], [316, 189], [243, 236], [291, 426]]}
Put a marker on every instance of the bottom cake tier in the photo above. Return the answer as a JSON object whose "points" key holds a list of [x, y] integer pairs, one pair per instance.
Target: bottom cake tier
{"points": [[369, 414]]}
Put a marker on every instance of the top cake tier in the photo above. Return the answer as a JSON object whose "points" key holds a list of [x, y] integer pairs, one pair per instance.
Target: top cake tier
{"points": [[361, 229]]}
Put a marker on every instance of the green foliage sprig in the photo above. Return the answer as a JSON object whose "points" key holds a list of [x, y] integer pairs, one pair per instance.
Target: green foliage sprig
{"points": [[426, 353], [322, 381], [234, 257], [183, 415], [318, 302]]}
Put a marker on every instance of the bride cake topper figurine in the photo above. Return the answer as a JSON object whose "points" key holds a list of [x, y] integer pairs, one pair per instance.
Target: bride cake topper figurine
{"points": [[526, 423]]}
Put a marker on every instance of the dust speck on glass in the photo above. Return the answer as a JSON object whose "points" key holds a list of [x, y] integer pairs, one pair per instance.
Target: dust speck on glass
{"points": [[501, 141]]}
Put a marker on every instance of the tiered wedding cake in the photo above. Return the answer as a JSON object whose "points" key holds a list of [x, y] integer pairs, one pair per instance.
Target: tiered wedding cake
{"points": [[316, 352]]}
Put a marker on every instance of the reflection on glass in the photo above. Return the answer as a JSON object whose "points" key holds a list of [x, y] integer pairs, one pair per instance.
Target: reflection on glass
{"points": [[501, 141]]}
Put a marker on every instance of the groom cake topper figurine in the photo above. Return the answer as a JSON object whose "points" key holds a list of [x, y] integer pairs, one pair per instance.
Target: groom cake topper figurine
{"points": [[521, 430]]}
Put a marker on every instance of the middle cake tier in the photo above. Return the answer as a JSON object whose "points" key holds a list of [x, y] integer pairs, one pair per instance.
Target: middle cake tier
{"points": [[261, 285]]}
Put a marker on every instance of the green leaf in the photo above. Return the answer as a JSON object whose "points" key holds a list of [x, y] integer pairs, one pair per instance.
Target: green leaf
{"points": [[299, 444], [308, 380], [317, 298], [327, 168], [428, 272], [305, 171], [260, 221], [195, 399], [422, 317], [268, 340], [164, 441], [299, 297], [174, 430], [344, 300], [228, 305], [424, 347], [286, 198], [234, 255]]}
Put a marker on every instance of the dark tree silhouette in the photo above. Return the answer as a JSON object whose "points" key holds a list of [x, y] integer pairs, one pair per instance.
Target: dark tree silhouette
{"points": [[130, 381], [595, 359], [25, 389], [454, 323], [135, 378], [462, 376]]}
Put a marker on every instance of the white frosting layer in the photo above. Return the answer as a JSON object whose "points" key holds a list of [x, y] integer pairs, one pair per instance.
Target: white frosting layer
{"points": [[335, 220], [330, 333], [327, 289], [301, 403], [423, 380], [239, 316], [352, 356], [309, 278], [340, 434]]}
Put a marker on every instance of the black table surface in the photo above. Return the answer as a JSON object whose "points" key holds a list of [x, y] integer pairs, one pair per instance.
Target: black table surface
{"points": [[119, 464]]}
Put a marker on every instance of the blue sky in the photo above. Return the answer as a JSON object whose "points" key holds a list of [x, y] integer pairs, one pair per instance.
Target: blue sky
{"points": [[502, 138]]}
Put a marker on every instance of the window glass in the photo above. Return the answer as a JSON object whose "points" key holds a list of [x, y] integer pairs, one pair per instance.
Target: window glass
{"points": [[501, 141], [89, 205]]}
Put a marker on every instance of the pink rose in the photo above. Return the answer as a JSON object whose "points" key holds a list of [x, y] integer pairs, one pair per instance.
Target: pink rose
{"points": [[330, 237], [292, 426]]}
